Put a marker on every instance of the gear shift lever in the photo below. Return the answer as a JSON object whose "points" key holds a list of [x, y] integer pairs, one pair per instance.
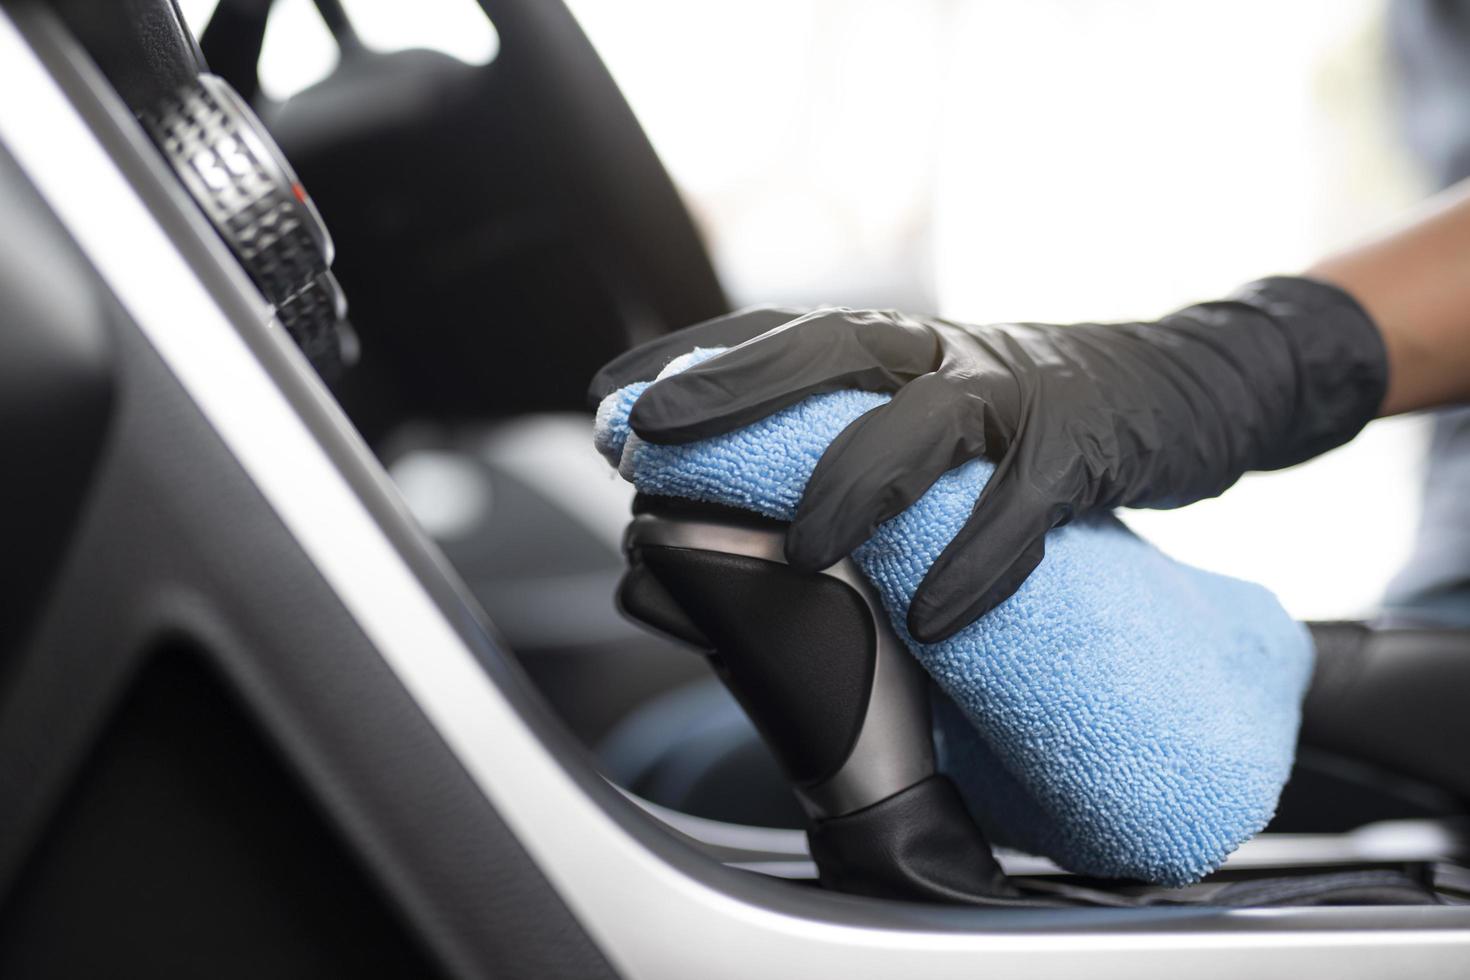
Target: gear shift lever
{"points": [[845, 709], [811, 658]]}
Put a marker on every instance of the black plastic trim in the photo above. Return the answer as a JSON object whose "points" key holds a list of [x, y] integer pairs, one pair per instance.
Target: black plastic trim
{"points": [[802, 669]]}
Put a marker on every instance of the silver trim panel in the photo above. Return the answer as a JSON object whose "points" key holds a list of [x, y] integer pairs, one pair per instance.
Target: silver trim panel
{"points": [[1388, 842]]}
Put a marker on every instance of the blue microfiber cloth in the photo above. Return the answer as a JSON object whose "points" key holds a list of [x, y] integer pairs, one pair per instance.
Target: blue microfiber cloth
{"points": [[1123, 714]]}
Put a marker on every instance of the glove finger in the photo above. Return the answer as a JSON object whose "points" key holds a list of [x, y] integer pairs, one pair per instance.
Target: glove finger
{"points": [[644, 362], [880, 464], [998, 548], [823, 351]]}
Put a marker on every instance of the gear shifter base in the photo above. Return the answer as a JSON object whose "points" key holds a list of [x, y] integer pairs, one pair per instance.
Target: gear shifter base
{"points": [[919, 844]]}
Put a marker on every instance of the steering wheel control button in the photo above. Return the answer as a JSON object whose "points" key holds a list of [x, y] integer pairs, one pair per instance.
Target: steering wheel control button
{"points": [[238, 176]]}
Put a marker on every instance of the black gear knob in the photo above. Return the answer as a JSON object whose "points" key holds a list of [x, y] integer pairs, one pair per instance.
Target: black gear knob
{"points": [[843, 706]]}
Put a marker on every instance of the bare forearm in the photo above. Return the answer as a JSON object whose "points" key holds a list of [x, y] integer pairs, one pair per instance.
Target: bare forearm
{"points": [[1415, 283]]}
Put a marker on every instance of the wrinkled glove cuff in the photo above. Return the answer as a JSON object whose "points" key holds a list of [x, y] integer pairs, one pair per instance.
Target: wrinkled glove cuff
{"points": [[1340, 365]]}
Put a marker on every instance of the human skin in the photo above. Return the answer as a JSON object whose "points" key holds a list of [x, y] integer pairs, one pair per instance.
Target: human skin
{"points": [[1414, 280]]}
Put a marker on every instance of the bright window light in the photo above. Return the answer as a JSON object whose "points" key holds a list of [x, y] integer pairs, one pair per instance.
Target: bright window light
{"points": [[197, 13], [456, 27], [298, 51]]}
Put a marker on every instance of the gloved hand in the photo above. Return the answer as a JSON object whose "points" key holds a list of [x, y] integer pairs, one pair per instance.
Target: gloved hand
{"points": [[1078, 418]]}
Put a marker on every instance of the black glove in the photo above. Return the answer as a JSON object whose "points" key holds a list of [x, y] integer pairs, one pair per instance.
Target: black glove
{"points": [[1079, 418]]}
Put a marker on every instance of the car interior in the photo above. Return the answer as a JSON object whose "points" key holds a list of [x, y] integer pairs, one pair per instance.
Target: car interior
{"points": [[332, 647]]}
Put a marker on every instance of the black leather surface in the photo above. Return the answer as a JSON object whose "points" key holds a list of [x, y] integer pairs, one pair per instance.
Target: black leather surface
{"points": [[142, 46], [918, 844], [796, 649], [1396, 698], [642, 598]]}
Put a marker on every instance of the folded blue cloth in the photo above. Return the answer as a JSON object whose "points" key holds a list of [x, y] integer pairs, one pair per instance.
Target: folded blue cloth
{"points": [[1123, 714]]}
